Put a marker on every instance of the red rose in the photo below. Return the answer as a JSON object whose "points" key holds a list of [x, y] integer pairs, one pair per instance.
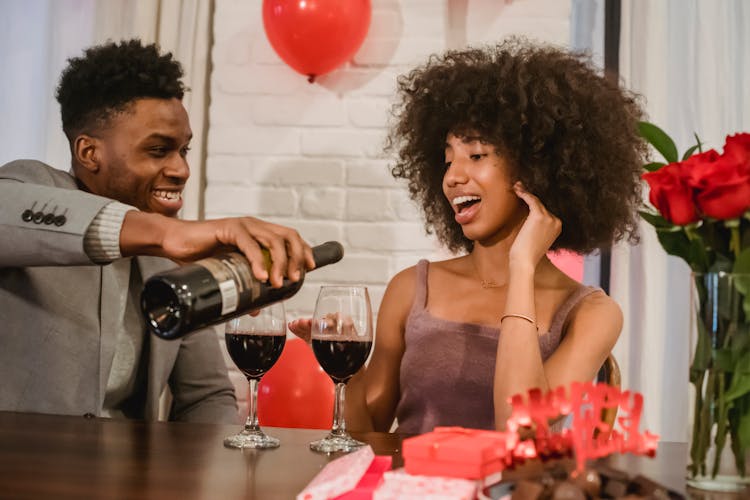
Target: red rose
{"points": [[698, 167], [738, 147], [671, 194], [722, 183]]}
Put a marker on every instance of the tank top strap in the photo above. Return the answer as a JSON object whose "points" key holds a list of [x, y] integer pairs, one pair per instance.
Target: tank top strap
{"points": [[575, 297], [420, 291]]}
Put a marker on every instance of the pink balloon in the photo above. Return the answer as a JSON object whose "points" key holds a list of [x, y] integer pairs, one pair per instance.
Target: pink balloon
{"points": [[316, 36], [296, 392]]}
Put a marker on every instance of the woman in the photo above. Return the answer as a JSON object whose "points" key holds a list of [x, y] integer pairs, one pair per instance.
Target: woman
{"points": [[510, 151]]}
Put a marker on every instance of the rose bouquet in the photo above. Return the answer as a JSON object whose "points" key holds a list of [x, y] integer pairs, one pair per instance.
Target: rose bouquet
{"points": [[701, 213]]}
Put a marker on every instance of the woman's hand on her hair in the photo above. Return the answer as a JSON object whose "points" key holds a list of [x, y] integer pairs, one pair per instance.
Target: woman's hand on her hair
{"points": [[537, 234]]}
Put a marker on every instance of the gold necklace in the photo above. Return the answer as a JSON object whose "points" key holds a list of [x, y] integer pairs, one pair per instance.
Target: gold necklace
{"points": [[485, 283], [490, 284]]}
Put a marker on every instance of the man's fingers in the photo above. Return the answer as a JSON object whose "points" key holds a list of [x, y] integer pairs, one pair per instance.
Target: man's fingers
{"points": [[277, 248], [252, 251], [295, 247]]}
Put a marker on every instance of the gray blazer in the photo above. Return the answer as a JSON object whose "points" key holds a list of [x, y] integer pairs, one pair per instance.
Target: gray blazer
{"points": [[59, 312]]}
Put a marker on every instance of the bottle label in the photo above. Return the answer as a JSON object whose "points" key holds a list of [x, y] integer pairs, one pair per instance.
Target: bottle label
{"points": [[236, 283], [229, 296]]}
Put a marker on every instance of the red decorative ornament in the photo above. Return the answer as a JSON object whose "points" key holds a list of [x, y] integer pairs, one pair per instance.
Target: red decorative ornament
{"points": [[584, 402], [296, 392], [316, 36]]}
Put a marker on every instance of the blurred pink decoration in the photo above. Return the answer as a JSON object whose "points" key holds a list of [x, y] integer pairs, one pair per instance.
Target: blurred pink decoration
{"points": [[568, 262], [316, 36]]}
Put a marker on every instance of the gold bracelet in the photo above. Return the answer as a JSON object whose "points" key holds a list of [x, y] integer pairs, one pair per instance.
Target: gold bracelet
{"points": [[521, 316]]}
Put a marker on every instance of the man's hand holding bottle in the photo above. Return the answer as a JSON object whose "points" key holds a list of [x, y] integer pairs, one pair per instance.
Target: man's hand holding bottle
{"points": [[186, 241]]}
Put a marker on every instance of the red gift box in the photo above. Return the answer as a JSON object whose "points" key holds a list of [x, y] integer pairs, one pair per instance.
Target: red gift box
{"points": [[370, 480], [456, 452]]}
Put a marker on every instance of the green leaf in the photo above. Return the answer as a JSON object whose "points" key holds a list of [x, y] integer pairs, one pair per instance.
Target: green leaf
{"points": [[702, 354], [742, 265], [698, 258], [675, 243], [736, 413], [691, 250], [659, 140], [742, 282], [689, 152], [724, 360], [657, 220], [653, 166], [740, 385], [743, 429]]}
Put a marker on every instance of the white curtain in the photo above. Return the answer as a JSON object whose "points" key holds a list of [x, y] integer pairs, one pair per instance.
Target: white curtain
{"points": [[690, 61], [38, 36]]}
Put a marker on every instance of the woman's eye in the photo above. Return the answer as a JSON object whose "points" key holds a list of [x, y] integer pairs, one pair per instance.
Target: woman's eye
{"points": [[477, 157], [448, 164]]}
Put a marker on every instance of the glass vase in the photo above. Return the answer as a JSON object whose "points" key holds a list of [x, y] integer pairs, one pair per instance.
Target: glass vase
{"points": [[719, 442]]}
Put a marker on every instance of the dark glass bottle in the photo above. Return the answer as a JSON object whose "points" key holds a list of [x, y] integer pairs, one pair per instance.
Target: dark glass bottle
{"points": [[215, 289]]}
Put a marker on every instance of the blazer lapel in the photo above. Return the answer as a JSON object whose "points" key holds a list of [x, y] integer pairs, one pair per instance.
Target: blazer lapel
{"points": [[115, 288], [162, 353]]}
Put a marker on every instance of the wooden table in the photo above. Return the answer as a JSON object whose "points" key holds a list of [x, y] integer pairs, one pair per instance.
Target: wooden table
{"points": [[43, 456]]}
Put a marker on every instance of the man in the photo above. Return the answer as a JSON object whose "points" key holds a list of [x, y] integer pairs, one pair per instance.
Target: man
{"points": [[75, 250]]}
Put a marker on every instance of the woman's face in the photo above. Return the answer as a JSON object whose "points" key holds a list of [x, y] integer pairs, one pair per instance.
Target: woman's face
{"points": [[479, 187]]}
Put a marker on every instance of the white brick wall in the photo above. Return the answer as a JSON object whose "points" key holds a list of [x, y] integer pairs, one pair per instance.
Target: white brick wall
{"points": [[311, 155]]}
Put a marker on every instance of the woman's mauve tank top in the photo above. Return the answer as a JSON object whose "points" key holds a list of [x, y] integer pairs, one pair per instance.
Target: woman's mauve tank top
{"points": [[448, 367]]}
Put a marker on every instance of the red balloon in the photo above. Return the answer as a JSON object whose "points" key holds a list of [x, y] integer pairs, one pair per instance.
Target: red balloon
{"points": [[296, 392], [316, 36]]}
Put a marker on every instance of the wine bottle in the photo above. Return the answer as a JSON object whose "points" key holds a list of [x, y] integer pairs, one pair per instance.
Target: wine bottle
{"points": [[214, 290]]}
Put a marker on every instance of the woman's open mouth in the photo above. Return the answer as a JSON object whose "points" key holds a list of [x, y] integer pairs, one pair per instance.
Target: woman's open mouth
{"points": [[466, 207]]}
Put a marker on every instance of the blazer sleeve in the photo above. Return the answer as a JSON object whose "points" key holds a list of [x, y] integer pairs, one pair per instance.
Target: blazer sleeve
{"points": [[200, 385], [43, 216]]}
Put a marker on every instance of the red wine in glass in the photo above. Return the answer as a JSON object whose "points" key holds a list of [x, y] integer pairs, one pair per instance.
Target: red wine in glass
{"points": [[341, 336], [341, 359], [255, 342], [254, 353]]}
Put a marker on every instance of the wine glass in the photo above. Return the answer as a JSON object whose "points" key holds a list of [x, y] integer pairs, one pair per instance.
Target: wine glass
{"points": [[255, 343], [341, 340]]}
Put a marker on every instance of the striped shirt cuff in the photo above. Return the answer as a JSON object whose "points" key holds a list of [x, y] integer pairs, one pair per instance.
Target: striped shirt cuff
{"points": [[102, 239]]}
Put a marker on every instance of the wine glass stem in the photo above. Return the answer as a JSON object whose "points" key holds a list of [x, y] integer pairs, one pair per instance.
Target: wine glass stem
{"points": [[339, 424], [252, 415]]}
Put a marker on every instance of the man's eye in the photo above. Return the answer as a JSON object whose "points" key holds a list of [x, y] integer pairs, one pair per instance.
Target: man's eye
{"points": [[158, 151], [184, 151]]}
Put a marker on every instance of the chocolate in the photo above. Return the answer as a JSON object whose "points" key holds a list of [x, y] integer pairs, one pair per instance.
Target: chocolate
{"points": [[559, 481], [527, 490], [589, 481], [567, 490], [648, 488], [615, 488]]}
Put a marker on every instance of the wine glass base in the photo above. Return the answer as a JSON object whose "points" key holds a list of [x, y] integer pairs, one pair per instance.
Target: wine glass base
{"points": [[251, 439], [332, 443]]}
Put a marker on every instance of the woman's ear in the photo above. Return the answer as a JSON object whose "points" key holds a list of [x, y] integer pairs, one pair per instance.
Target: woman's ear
{"points": [[86, 152]]}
